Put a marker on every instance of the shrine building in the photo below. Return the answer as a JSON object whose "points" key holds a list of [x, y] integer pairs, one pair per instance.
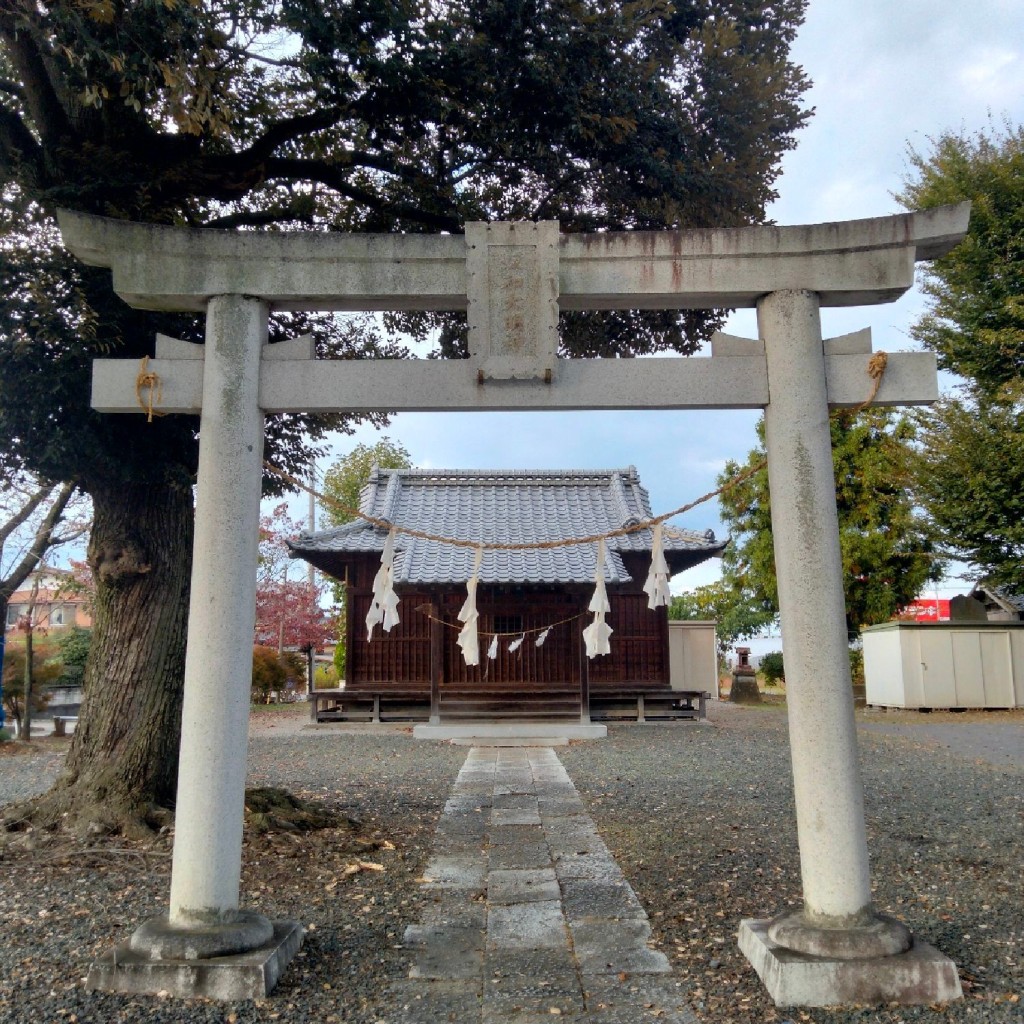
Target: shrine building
{"points": [[532, 602]]}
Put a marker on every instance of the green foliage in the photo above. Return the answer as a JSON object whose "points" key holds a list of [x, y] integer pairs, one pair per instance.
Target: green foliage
{"points": [[325, 678], [887, 546], [339, 652], [74, 650], [857, 665], [344, 481], [975, 315], [269, 672], [736, 614], [970, 478], [294, 663], [970, 474], [773, 668], [44, 672]]}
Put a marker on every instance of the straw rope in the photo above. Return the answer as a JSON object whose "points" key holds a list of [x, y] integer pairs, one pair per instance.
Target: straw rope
{"points": [[516, 633], [147, 379]]}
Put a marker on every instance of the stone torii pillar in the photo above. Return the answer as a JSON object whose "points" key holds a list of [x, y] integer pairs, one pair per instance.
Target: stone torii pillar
{"points": [[513, 279]]}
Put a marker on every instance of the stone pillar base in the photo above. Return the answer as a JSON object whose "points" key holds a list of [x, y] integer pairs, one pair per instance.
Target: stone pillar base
{"points": [[744, 690], [921, 975], [249, 975]]}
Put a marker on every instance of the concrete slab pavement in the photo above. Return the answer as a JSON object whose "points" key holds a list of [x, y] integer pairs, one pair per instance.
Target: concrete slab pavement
{"points": [[531, 917]]}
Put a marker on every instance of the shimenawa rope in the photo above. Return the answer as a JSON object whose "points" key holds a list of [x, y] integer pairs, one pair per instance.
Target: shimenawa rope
{"points": [[149, 379]]}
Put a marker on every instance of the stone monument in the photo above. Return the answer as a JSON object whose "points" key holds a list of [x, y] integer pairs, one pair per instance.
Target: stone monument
{"points": [[744, 680]]}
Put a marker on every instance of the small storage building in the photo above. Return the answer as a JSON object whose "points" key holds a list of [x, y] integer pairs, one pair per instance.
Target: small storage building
{"points": [[944, 665]]}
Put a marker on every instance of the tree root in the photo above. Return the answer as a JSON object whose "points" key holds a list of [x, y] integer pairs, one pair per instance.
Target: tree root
{"points": [[270, 809], [60, 817]]}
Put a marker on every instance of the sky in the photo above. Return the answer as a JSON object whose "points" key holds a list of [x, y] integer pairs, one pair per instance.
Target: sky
{"points": [[885, 74]]}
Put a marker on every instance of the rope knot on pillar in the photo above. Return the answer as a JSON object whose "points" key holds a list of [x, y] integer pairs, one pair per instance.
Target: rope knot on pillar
{"points": [[148, 380]]}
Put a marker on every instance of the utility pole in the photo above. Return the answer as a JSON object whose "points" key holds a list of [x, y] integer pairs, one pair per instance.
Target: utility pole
{"points": [[310, 573], [26, 718]]}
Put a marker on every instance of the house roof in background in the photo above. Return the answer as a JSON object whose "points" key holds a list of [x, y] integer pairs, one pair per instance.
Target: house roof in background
{"points": [[503, 506], [1011, 602]]}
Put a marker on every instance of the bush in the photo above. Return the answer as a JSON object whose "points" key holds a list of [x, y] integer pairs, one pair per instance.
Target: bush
{"points": [[772, 668], [268, 673], [74, 650], [43, 675], [294, 663], [857, 666], [325, 678]]}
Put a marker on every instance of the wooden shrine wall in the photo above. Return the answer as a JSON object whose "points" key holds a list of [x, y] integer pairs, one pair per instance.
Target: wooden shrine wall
{"points": [[401, 658]]}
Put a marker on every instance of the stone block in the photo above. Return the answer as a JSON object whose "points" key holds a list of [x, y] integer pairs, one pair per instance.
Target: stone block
{"points": [[434, 1002], [921, 975], [514, 816], [455, 872], [445, 951], [616, 947], [522, 886], [526, 926], [512, 857], [598, 867], [586, 899], [250, 975], [531, 981], [636, 999], [515, 802], [504, 835]]}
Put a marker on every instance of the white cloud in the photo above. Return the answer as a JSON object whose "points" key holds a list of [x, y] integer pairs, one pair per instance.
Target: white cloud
{"points": [[992, 75]]}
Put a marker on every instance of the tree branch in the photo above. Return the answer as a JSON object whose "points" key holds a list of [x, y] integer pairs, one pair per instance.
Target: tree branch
{"points": [[284, 131], [40, 543], [21, 516], [241, 51], [334, 177], [24, 51], [18, 145], [256, 219]]}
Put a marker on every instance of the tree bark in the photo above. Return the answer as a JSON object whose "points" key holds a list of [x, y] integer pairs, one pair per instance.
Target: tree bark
{"points": [[121, 769]]}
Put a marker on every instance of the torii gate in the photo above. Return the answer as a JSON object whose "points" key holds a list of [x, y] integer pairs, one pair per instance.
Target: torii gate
{"points": [[513, 278]]}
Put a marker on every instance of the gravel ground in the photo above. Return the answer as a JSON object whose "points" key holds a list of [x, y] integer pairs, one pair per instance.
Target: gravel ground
{"points": [[25, 775], [699, 817]]}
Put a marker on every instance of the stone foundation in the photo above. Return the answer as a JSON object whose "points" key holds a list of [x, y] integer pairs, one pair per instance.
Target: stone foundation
{"points": [[249, 975], [921, 975]]}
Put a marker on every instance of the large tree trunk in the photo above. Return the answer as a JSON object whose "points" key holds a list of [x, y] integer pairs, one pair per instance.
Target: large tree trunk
{"points": [[122, 765]]}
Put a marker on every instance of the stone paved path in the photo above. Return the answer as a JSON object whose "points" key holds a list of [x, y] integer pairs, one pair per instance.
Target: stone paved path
{"points": [[531, 918]]}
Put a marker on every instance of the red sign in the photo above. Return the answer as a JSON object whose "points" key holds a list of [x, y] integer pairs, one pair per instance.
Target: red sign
{"points": [[927, 609]]}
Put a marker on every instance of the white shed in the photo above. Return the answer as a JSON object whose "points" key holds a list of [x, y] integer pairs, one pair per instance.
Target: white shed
{"points": [[945, 665], [693, 656]]}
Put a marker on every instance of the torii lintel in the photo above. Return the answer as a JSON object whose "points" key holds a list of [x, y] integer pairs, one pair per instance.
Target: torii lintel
{"points": [[847, 263]]}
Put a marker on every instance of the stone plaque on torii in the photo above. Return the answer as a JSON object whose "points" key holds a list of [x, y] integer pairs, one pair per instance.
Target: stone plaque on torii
{"points": [[513, 279]]}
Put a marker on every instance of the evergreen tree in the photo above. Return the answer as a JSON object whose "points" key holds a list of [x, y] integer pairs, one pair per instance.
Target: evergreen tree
{"points": [[887, 549], [369, 116], [970, 476]]}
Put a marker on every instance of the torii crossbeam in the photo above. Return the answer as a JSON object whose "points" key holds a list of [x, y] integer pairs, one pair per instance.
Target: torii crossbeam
{"points": [[513, 279]]}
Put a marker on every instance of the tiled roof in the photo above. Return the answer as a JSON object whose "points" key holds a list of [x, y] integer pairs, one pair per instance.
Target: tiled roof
{"points": [[1004, 597], [504, 507]]}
